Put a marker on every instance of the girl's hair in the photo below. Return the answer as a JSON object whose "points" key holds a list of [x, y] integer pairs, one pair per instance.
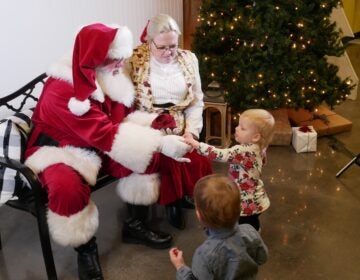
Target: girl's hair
{"points": [[161, 23], [264, 122], [217, 199]]}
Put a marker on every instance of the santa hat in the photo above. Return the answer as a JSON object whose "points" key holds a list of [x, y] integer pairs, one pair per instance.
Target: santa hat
{"points": [[93, 45]]}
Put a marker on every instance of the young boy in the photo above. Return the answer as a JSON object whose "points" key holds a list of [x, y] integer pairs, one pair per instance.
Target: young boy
{"points": [[231, 251]]}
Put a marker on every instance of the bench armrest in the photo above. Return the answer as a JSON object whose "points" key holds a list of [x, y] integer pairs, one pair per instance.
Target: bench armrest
{"points": [[39, 195]]}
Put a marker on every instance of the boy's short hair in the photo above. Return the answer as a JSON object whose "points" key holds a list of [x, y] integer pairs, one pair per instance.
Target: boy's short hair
{"points": [[217, 199]]}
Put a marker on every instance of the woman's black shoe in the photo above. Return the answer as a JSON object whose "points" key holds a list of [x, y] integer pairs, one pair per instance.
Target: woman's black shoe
{"points": [[175, 216], [136, 232]]}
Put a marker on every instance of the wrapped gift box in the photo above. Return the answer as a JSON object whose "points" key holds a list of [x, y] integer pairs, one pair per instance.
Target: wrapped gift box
{"points": [[324, 121], [282, 131], [304, 139]]}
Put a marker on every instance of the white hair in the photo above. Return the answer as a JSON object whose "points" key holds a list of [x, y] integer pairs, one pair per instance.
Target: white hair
{"points": [[161, 23]]}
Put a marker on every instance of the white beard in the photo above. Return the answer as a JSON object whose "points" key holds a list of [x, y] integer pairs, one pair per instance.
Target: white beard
{"points": [[118, 87]]}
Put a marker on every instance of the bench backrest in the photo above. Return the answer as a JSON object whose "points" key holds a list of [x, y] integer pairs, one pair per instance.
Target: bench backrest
{"points": [[24, 97]]}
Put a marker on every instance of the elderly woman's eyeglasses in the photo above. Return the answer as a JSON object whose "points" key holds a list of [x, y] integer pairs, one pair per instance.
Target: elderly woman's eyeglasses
{"points": [[165, 48]]}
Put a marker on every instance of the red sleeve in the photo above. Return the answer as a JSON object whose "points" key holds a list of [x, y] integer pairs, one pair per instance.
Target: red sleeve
{"points": [[95, 129]]}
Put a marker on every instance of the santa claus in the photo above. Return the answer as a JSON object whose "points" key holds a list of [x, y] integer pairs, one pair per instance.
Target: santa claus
{"points": [[84, 123]]}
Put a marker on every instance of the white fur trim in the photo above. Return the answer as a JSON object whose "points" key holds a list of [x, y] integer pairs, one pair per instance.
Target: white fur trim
{"points": [[78, 107], [139, 189], [87, 163], [76, 229], [62, 69], [118, 88], [134, 145], [141, 118], [98, 94], [122, 45]]}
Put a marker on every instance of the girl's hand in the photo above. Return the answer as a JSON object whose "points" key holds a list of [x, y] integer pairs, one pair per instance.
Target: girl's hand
{"points": [[176, 258], [189, 139]]}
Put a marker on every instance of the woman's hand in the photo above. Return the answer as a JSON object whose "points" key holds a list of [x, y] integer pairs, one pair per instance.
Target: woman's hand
{"points": [[176, 258]]}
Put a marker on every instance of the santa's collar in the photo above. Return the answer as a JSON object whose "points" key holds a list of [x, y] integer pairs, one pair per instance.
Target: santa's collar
{"points": [[61, 69]]}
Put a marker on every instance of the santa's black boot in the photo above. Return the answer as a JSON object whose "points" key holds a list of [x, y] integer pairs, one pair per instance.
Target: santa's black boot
{"points": [[136, 231], [88, 261]]}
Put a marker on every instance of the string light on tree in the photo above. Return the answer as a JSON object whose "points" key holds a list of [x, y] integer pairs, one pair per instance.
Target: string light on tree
{"points": [[281, 48]]}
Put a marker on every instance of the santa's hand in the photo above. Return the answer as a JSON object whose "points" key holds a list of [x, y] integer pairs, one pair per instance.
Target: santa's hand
{"points": [[175, 147]]}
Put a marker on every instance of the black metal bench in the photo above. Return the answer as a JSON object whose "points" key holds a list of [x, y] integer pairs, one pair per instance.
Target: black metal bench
{"points": [[35, 202]]}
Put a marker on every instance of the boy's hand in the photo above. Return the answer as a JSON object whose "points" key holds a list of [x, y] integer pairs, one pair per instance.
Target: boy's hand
{"points": [[176, 257]]}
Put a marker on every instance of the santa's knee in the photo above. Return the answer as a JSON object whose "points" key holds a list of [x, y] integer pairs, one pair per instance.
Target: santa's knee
{"points": [[68, 196]]}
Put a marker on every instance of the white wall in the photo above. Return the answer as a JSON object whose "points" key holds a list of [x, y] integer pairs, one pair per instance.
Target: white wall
{"points": [[35, 33], [346, 69]]}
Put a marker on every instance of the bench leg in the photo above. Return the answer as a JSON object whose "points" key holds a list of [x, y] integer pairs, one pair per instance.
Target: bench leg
{"points": [[0, 244], [45, 243]]}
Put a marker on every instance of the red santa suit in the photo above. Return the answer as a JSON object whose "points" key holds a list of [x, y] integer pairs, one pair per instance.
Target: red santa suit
{"points": [[81, 126]]}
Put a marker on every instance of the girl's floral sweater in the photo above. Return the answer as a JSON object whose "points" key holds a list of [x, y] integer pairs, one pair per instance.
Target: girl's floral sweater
{"points": [[245, 165]]}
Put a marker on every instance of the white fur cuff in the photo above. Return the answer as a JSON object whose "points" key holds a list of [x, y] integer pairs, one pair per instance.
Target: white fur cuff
{"points": [[75, 230], [139, 189], [134, 145]]}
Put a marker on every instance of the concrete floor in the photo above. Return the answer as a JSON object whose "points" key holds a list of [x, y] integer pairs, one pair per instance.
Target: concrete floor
{"points": [[312, 227]]}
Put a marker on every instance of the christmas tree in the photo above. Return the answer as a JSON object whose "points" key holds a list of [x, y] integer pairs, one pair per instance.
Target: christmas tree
{"points": [[271, 54]]}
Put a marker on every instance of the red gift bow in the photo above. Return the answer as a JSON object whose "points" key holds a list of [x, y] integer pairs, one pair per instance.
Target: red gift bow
{"points": [[305, 129]]}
